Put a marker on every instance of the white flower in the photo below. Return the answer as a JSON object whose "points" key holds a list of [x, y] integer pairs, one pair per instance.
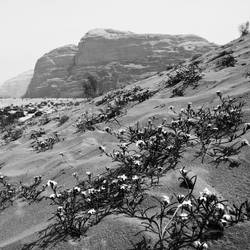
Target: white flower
{"points": [[220, 206], [117, 154], [102, 148], [224, 222], [247, 126], [171, 107], [184, 216], [227, 217], [84, 193], [123, 177], [245, 142], [92, 211], [60, 209], [52, 196], [135, 177], [183, 171], [52, 184], [75, 174], [180, 197], [140, 143], [186, 203], [137, 162], [204, 245], [206, 192], [202, 198], [77, 189], [218, 92], [166, 199], [124, 186], [114, 181], [91, 190], [197, 243], [121, 131], [124, 145]]}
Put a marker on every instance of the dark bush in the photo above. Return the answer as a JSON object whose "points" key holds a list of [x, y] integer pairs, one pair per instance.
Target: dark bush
{"points": [[244, 29], [62, 120], [226, 61]]}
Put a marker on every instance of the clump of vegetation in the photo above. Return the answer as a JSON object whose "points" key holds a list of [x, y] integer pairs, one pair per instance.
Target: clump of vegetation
{"points": [[244, 29], [43, 144], [226, 61], [13, 191], [90, 86], [37, 133], [124, 96], [185, 76], [44, 119], [115, 103], [12, 133], [62, 120]]}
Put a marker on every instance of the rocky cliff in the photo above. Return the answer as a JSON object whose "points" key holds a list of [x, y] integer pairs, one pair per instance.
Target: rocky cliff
{"points": [[16, 86], [112, 57]]}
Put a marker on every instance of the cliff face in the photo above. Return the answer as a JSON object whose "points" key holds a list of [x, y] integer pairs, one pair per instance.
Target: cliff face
{"points": [[112, 57], [16, 86]]}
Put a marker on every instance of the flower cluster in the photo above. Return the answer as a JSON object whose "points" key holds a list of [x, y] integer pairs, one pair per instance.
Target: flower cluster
{"points": [[124, 96]]}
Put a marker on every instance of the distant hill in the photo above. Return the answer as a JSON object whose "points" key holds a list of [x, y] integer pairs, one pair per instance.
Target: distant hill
{"points": [[16, 86], [113, 58]]}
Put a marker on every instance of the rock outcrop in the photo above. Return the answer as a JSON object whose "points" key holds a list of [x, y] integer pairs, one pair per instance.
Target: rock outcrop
{"points": [[16, 86], [113, 58]]}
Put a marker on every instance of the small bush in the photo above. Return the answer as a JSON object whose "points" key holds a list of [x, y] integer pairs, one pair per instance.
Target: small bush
{"points": [[12, 133], [62, 120], [43, 144], [244, 29], [226, 61], [187, 76]]}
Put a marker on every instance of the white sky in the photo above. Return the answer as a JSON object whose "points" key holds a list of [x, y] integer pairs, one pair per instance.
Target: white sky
{"points": [[30, 28]]}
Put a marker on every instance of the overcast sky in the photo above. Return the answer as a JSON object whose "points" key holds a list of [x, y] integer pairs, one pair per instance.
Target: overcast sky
{"points": [[30, 28]]}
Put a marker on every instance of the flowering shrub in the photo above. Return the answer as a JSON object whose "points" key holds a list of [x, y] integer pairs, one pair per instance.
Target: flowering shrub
{"points": [[188, 221], [7, 192], [87, 121], [115, 102], [12, 133], [122, 97], [62, 120], [37, 133], [43, 144], [32, 192], [214, 129], [188, 75], [12, 191], [226, 61]]}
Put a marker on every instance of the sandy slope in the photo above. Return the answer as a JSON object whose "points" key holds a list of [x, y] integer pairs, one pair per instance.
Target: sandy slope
{"points": [[19, 223]]}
